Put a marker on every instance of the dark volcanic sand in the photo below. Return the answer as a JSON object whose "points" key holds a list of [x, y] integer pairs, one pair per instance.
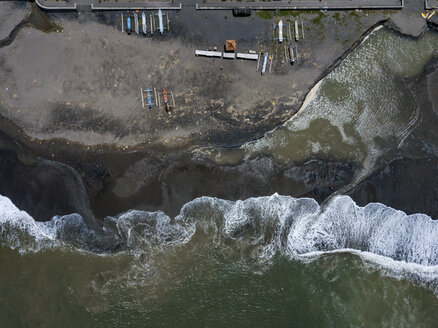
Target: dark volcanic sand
{"points": [[83, 84]]}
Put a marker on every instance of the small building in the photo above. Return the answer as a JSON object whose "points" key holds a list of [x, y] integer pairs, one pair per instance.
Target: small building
{"points": [[230, 46], [242, 12]]}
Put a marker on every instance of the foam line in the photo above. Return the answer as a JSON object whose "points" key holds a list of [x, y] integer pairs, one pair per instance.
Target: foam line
{"points": [[400, 245]]}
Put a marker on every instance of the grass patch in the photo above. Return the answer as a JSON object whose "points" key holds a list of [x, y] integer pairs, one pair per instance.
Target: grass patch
{"points": [[317, 19], [337, 16], [345, 42], [340, 18], [282, 13], [296, 13], [265, 14], [388, 13]]}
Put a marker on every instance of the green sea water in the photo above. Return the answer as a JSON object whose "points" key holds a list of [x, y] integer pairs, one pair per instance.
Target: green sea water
{"points": [[262, 262], [56, 289]]}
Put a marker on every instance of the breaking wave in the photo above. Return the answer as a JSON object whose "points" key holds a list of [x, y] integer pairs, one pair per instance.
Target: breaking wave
{"points": [[400, 245]]}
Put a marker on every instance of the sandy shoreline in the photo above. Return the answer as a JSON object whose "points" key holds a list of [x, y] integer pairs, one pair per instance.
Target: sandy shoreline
{"points": [[97, 100]]}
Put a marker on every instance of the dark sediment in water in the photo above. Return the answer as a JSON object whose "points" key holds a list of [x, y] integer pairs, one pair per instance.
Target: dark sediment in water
{"points": [[410, 185], [168, 183], [43, 188], [116, 182]]}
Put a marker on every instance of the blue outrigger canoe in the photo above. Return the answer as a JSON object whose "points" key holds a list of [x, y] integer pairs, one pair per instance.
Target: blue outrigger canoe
{"points": [[148, 93], [128, 25]]}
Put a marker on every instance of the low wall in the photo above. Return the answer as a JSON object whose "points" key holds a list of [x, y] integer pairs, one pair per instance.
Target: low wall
{"points": [[305, 5], [91, 5]]}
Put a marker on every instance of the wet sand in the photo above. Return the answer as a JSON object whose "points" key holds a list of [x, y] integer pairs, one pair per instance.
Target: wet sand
{"points": [[152, 180]]}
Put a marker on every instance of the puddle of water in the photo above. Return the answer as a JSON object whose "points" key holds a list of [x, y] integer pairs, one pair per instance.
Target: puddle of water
{"points": [[38, 20]]}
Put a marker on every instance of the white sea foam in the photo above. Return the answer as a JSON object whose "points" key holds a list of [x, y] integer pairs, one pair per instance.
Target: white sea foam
{"points": [[19, 230], [398, 244], [371, 33]]}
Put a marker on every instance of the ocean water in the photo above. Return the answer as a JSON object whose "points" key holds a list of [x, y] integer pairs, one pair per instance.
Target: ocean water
{"points": [[263, 261]]}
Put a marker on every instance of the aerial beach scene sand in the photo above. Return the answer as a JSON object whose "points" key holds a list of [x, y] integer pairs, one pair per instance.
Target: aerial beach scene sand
{"points": [[232, 163]]}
